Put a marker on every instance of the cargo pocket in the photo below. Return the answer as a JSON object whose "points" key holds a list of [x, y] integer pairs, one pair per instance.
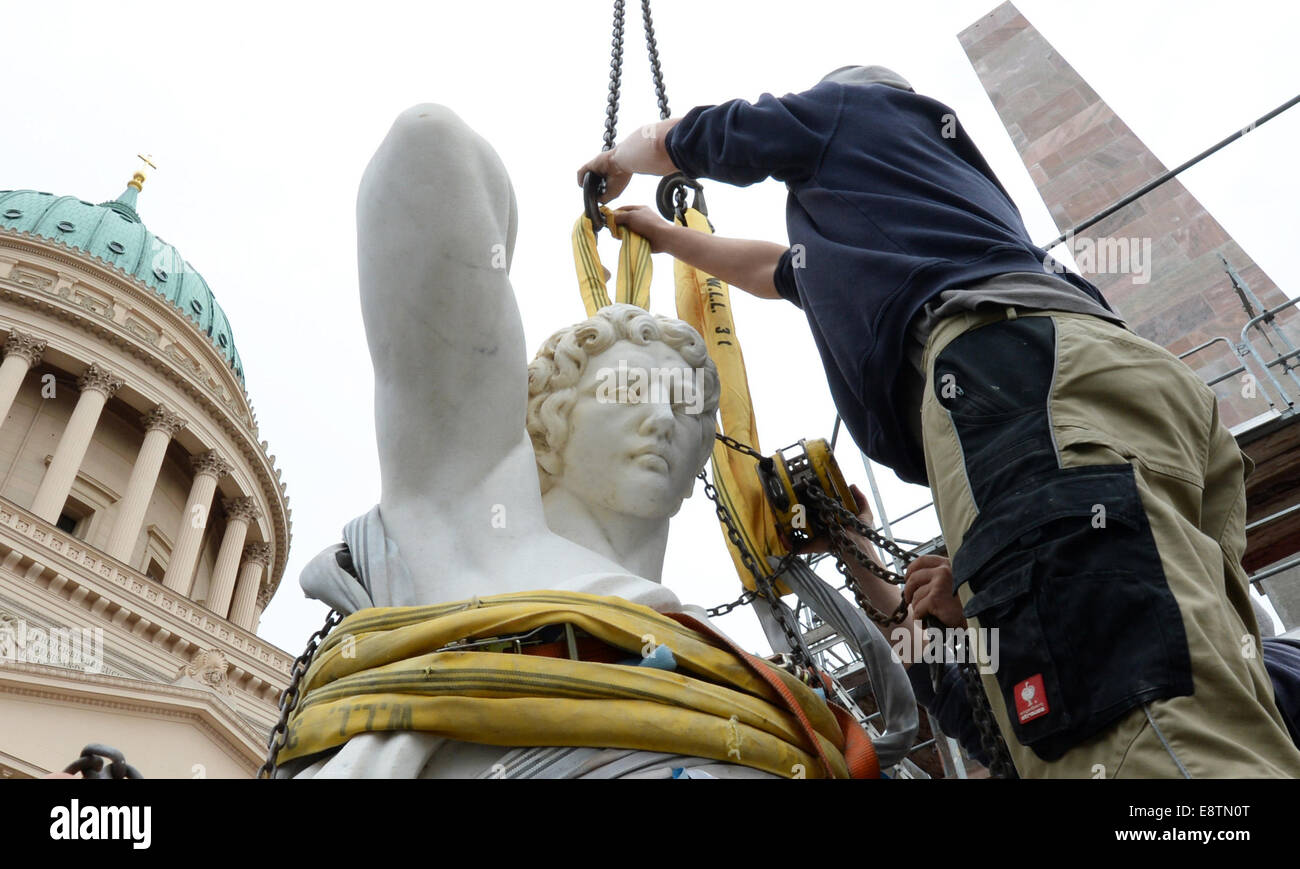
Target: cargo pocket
{"points": [[1026, 672], [1066, 570]]}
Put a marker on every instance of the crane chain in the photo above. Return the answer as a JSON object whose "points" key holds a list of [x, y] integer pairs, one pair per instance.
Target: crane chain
{"points": [[289, 699], [846, 516], [745, 599], [616, 80], [656, 72], [661, 92], [615, 77], [733, 444]]}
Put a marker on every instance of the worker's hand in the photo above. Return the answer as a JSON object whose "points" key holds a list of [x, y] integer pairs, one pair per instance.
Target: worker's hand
{"points": [[929, 590], [822, 543], [645, 222], [606, 163]]}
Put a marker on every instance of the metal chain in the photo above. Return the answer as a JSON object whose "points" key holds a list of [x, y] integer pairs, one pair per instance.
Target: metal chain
{"points": [[91, 763], [799, 650], [763, 584], [289, 699], [845, 515], [615, 76], [995, 747], [732, 443], [832, 515], [661, 93], [745, 599], [655, 72]]}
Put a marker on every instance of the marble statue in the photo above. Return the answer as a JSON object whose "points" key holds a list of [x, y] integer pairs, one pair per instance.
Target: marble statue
{"points": [[499, 476]]}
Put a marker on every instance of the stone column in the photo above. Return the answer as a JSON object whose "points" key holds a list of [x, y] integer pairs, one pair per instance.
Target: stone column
{"points": [[22, 353], [208, 469], [251, 594], [160, 426], [96, 386], [239, 512]]}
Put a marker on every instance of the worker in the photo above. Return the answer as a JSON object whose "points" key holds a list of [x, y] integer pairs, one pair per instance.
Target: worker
{"points": [[1091, 499]]}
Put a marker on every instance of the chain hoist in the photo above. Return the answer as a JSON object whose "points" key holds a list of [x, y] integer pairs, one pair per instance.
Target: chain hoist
{"points": [[810, 477], [831, 516]]}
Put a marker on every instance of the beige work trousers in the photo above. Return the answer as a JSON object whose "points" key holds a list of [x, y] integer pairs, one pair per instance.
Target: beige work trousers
{"points": [[1115, 399]]}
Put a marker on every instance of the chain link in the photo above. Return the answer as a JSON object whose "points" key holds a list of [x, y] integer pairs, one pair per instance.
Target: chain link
{"points": [[832, 515], [746, 449], [289, 699], [764, 587], [995, 747], [661, 93], [615, 76], [91, 763], [745, 599], [616, 79]]}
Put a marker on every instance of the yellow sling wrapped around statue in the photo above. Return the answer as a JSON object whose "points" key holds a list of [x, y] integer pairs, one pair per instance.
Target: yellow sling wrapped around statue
{"points": [[386, 668]]}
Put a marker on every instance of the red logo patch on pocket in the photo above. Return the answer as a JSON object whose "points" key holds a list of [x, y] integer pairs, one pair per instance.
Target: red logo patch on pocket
{"points": [[1031, 698]]}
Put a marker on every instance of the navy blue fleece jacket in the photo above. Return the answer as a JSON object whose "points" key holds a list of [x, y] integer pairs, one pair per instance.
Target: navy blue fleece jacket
{"points": [[889, 204]]}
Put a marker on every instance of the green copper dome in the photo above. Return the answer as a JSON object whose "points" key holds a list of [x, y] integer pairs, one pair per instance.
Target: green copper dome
{"points": [[112, 232]]}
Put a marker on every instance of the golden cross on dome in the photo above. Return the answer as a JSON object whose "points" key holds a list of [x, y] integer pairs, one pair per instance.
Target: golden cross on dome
{"points": [[137, 180]]}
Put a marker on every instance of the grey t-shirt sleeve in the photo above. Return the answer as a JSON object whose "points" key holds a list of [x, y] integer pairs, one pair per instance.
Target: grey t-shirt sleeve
{"points": [[1026, 291]]}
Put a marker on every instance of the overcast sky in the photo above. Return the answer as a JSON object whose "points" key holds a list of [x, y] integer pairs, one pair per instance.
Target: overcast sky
{"points": [[262, 116]]}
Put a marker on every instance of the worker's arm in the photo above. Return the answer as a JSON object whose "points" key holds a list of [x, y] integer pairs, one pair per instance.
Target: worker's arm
{"points": [[928, 587], [744, 263], [736, 142], [642, 153], [740, 142], [928, 591]]}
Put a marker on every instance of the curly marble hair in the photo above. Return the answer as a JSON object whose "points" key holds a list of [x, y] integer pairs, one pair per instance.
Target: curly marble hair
{"points": [[554, 374]]}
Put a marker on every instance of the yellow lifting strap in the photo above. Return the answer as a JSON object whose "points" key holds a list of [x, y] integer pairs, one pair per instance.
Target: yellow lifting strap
{"points": [[387, 669], [632, 286], [705, 302]]}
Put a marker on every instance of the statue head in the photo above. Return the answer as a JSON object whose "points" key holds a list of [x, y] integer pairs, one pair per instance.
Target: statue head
{"points": [[621, 410]]}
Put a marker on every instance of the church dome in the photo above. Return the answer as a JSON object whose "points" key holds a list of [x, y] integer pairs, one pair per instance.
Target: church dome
{"points": [[113, 233]]}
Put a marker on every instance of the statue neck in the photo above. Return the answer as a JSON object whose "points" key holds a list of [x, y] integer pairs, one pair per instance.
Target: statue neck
{"points": [[635, 544]]}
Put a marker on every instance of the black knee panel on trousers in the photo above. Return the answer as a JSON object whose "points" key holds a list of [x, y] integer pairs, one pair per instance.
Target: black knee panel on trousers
{"points": [[1061, 561]]}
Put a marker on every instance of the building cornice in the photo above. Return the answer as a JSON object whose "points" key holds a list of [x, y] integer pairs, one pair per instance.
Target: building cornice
{"points": [[204, 709], [171, 620]]}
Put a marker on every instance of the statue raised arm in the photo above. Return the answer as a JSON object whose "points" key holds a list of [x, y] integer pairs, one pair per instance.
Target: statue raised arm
{"points": [[460, 500]]}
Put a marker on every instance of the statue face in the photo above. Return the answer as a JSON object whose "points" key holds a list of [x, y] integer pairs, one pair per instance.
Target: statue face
{"points": [[637, 432]]}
